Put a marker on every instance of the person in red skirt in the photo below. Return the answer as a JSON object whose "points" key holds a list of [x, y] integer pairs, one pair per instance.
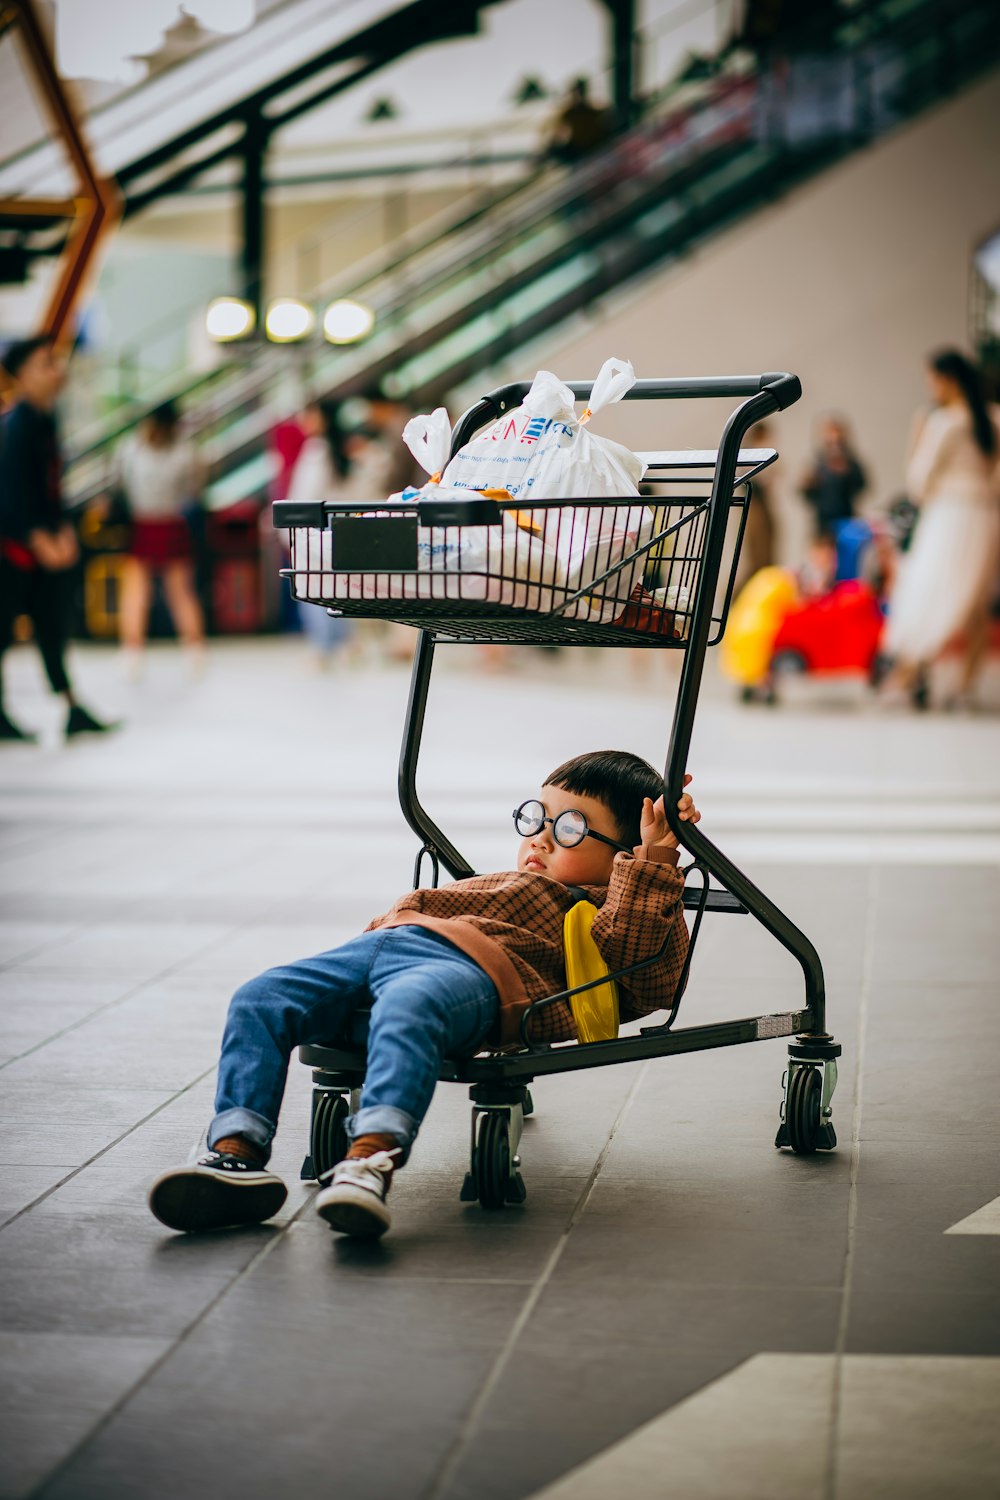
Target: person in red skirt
{"points": [[160, 475], [38, 546]]}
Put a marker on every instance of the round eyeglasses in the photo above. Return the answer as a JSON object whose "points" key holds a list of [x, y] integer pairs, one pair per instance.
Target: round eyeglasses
{"points": [[569, 828]]}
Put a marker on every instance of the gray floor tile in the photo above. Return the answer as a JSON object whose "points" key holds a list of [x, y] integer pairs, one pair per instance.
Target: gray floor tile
{"points": [[141, 949], [52, 1125], [512, 1453], [20, 1186], [884, 1320], [57, 1387], [234, 825], [92, 1273], [331, 1346]]}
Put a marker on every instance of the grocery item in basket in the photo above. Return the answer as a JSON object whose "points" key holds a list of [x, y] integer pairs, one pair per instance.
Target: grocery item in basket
{"points": [[662, 612], [542, 450], [539, 558]]}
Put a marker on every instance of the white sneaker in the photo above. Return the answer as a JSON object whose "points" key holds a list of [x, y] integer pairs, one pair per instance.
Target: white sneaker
{"points": [[353, 1202]]}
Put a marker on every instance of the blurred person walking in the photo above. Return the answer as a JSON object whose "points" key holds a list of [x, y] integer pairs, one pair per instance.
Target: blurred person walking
{"points": [[160, 476], [758, 538], [947, 579], [835, 479], [38, 546], [326, 469], [579, 128]]}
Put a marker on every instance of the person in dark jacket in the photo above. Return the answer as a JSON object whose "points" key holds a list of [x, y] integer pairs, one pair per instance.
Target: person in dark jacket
{"points": [[835, 478], [38, 547]]}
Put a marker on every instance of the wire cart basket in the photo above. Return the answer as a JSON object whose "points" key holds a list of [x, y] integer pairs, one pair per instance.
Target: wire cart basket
{"points": [[597, 572]]}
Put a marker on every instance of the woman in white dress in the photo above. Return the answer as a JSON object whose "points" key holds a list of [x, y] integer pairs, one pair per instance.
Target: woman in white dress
{"points": [[948, 578]]}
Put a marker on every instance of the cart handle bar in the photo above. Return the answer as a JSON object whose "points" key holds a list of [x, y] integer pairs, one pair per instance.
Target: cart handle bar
{"points": [[786, 390]]}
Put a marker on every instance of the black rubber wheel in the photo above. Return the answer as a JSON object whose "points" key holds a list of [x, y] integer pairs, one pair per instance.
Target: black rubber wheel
{"points": [[329, 1139], [493, 1159], [802, 1110], [790, 664]]}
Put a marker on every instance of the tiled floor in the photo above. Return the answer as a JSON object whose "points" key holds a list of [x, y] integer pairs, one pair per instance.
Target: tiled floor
{"points": [[678, 1310]]}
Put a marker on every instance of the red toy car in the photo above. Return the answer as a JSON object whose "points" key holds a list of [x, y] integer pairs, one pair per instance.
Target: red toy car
{"points": [[837, 632]]}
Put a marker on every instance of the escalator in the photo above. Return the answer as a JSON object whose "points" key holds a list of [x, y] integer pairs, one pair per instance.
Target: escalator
{"points": [[540, 253], [516, 268]]}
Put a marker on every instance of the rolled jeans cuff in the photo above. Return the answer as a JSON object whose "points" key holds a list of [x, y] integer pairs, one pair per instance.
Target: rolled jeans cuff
{"points": [[242, 1122], [384, 1119]]}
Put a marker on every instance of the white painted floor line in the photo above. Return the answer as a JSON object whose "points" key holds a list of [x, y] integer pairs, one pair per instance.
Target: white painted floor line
{"points": [[985, 1220], [760, 1433]]}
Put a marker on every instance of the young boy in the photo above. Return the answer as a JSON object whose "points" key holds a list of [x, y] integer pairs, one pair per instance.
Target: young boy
{"points": [[446, 972]]}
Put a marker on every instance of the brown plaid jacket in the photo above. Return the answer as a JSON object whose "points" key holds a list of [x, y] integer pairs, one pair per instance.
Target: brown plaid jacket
{"points": [[511, 925]]}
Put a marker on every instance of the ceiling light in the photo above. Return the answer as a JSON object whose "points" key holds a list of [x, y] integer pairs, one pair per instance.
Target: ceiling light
{"points": [[346, 322], [289, 320], [229, 318]]}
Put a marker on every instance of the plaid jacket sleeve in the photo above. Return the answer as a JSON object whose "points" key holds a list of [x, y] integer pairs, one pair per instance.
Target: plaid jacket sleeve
{"points": [[642, 914]]}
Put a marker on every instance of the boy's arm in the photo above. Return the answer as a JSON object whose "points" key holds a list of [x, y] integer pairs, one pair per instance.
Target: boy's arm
{"points": [[642, 912]]}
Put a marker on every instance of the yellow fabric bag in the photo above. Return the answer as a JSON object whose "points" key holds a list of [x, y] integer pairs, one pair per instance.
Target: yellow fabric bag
{"points": [[595, 1011]]}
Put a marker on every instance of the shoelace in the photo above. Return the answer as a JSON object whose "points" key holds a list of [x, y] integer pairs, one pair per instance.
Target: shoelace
{"points": [[379, 1165]]}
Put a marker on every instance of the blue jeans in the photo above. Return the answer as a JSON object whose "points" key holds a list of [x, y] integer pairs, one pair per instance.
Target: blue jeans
{"points": [[427, 1001]]}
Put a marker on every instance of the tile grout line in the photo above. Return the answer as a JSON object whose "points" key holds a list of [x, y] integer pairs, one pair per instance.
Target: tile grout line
{"points": [[17, 959], [75, 1172], [458, 1448], [175, 1344], [101, 1010], [137, 989], [831, 1466]]}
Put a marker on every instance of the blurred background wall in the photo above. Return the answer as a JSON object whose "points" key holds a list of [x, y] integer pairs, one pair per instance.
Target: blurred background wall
{"points": [[850, 282]]}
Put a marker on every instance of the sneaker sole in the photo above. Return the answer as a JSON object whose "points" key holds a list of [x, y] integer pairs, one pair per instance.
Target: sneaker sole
{"points": [[362, 1220], [196, 1201]]}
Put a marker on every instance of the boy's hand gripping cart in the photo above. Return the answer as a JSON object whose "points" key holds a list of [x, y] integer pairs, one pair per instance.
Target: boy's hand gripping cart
{"points": [[701, 499]]}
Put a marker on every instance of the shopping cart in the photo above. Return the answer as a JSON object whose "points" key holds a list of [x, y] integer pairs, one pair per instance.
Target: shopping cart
{"points": [[568, 574]]}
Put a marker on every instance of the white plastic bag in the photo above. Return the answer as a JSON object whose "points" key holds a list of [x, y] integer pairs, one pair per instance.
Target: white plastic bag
{"points": [[505, 564], [536, 556], [495, 563], [542, 450]]}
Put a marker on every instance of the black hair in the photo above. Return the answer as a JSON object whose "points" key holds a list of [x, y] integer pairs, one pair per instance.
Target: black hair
{"points": [[16, 355], [333, 431], [954, 366], [165, 416], [615, 777]]}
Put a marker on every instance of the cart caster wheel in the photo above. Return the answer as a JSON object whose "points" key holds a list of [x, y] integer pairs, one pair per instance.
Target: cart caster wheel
{"points": [[329, 1138], [495, 1183], [528, 1107], [803, 1120], [492, 1167]]}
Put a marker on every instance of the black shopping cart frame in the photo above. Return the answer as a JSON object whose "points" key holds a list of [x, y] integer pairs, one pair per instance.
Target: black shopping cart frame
{"points": [[499, 1080]]}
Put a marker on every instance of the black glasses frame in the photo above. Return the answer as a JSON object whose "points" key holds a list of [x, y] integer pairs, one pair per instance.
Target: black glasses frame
{"points": [[588, 832]]}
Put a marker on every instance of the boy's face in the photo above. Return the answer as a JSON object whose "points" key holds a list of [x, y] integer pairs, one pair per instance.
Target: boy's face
{"points": [[588, 863]]}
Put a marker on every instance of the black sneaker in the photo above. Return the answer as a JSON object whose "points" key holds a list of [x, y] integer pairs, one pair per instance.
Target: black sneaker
{"points": [[216, 1192], [79, 721], [13, 732]]}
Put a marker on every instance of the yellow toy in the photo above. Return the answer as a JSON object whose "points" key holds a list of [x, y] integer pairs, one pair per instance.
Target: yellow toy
{"points": [[754, 622], [595, 1011]]}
